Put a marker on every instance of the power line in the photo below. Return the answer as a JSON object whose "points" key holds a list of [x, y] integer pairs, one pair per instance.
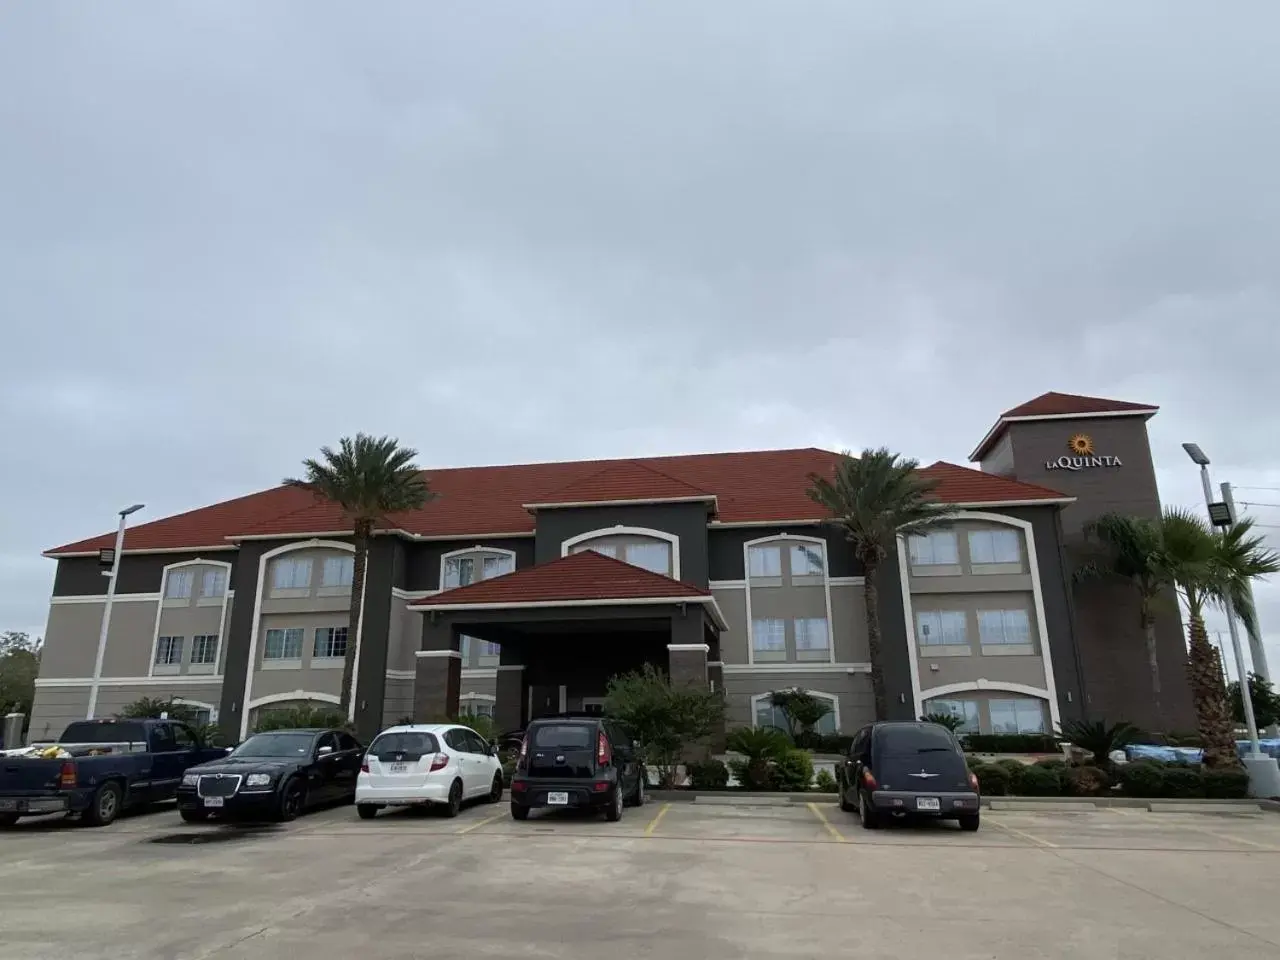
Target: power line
{"points": [[1236, 486], [1248, 503]]}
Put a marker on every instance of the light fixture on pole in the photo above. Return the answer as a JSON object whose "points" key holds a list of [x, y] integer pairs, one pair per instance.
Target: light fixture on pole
{"points": [[111, 557], [1264, 772]]}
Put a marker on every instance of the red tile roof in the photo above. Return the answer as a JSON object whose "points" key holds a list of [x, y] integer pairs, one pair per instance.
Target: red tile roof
{"points": [[579, 576], [957, 484], [751, 487], [623, 480], [1060, 405]]}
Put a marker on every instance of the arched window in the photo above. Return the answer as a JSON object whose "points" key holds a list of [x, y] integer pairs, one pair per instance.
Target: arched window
{"points": [[654, 550], [765, 714]]}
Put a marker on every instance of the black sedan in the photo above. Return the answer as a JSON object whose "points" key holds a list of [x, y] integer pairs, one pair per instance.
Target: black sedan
{"points": [[275, 775]]}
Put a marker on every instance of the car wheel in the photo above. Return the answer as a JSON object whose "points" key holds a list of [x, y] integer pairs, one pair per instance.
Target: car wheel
{"points": [[495, 792], [454, 803], [291, 802], [8, 819], [613, 813], [638, 799], [104, 807], [971, 822], [868, 817], [519, 812], [845, 804], [367, 811], [194, 816]]}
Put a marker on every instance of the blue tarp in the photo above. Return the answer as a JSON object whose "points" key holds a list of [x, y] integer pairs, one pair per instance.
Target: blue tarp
{"points": [[1150, 751]]}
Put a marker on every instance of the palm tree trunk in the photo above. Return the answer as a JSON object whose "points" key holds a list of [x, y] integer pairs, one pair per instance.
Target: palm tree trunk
{"points": [[1153, 660], [363, 529], [871, 596], [1213, 713]]}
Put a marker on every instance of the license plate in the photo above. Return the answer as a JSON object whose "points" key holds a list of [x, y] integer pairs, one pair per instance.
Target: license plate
{"points": [[558, 799], [213, 801], [8, 804], [399, 768], [927, 803]]}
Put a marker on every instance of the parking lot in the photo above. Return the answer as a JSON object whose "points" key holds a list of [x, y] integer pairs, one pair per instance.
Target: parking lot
{"points": [[678, 880]]}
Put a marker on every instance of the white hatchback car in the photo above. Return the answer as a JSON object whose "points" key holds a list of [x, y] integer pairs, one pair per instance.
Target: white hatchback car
{"points": [[440, 764]]}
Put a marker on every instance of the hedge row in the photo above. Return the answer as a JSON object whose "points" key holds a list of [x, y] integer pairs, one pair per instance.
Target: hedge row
{"points": [[1143, 778]]}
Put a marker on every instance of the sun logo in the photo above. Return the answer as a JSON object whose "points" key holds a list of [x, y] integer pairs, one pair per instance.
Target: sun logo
{"points": [[1081, 445]]}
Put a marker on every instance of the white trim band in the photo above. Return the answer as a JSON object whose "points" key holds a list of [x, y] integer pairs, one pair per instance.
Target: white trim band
{"points": [[681, 647], [102, 598], [510, 666], [422, 654], [817, 666], [201, 679]]}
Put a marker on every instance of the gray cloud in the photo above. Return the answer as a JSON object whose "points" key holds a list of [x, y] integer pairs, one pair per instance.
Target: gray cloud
{"points": [[562, 230]]}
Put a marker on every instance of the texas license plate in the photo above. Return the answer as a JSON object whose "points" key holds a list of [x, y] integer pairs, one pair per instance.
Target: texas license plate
{"points": [[399, 768], [558, 799], [213, 801], [927, 803]]}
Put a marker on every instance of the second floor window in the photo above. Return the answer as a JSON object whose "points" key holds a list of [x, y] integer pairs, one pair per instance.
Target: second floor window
{"points": [[283, 644], [458, 572], [936, 628], [764, 561], [651, 556], [331, 643], [213, 583], [806, 560], [997, 627], [812, 641], [204, 648], [178, 584], [769, 638], [496, 566], [168, 651], [291, 574], [935, 548], [993, 546], [337, 571]]}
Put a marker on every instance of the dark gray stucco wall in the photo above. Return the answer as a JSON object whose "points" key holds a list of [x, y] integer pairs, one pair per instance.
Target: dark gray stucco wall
{"points": [[895, 655], [374, 631], [244, 580], [139, 573], [687, 521], [726, 558], [422, 560]]}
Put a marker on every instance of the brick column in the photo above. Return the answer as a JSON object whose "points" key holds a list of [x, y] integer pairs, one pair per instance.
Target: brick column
{"points": [[511, 700], [715, 677], [688, 663], [437, 678]]}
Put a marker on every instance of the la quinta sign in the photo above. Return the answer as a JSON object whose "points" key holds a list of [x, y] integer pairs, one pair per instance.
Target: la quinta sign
{"points": [[1082, 456]]}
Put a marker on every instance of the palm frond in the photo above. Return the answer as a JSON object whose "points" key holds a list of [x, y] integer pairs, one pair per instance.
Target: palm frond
{"points": [[369, 477]]}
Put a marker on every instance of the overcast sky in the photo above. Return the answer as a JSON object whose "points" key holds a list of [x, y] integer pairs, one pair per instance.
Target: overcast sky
{"points": [[231, 232]]}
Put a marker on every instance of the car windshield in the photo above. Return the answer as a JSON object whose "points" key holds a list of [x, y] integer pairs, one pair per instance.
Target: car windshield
{"points": [[406, 742], [563, 736], [276, 745], [913, 739]]}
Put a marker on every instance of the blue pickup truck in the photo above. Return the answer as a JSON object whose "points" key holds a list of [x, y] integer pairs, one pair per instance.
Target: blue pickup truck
{"points": [[102, 768]]}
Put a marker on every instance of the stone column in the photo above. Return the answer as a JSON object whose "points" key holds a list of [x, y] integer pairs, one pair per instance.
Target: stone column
{"points": [[510, 706], [437, 672], [688, 648]]}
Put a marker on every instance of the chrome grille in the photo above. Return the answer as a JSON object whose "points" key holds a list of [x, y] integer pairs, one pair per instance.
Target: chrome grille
{"points": [[218, 785]]}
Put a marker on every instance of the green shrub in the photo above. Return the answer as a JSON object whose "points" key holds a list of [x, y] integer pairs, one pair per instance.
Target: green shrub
{"points": [[1086, 781], [1099, 738], [709, 775], [288, 718], [1011, 743], [1013, 773], [948, 720], [508, 770], [993, 779], [1226, 784], [837, 743], [761, 746], [1182, 781], [1056, 763], [824, 782], [1038, 781], [792, 772], [1142, 778]]}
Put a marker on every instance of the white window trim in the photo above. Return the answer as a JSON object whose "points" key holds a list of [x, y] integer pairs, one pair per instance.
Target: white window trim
{"points": [[292, 695], [835, 703], [478, 548], [200, 705], [217, 650], [160, 607], [787, 539], [919, 695], [302, 647], [566, 546], [255, 632]]}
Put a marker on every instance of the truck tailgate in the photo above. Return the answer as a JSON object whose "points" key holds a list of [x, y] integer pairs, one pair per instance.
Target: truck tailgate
{"points": [[26, 776]]}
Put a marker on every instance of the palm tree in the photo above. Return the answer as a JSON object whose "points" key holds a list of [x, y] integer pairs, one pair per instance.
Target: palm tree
{"points": [[875, 498], [1209, 568], [369, 477], [1134, 552]]}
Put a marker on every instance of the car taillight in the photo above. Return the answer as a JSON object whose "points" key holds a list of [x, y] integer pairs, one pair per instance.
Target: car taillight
{"points": [[67, 775], [524, 746], [603, 753], [868, 780], [364, 766], [439, 762], [973, 782]]}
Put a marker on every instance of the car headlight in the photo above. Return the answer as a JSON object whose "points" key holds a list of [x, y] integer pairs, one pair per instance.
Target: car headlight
{"points": [[190, 779], [257, 780]]}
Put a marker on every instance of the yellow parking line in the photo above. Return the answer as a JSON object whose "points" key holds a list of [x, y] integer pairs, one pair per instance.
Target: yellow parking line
{"points": [[480, 823], [653, 824], [822, 817], [1024, 835]]}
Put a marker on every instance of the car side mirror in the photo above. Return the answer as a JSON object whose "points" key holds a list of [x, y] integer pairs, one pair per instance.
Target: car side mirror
{"points": [[230, 749], [324, 751]]}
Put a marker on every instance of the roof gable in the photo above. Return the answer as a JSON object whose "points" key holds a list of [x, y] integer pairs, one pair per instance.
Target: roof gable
{"points": [[586, 575], [620, 482], [1053, 406]]}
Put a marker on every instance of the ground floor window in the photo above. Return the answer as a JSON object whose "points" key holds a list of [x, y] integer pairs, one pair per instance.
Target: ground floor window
{"points": [[765, 714], [965, 711], [1020, 715], [475, 705]]}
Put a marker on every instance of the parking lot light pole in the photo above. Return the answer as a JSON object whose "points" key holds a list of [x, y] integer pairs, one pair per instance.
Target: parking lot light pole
{"points": [[1264, 772], [106, 609]]}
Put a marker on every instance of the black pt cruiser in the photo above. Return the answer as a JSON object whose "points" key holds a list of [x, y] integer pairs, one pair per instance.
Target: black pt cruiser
{"points": [[275, 775]]}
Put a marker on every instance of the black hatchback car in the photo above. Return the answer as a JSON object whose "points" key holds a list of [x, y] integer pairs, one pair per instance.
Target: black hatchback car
{"points": [[908, 769], [577, 763]]}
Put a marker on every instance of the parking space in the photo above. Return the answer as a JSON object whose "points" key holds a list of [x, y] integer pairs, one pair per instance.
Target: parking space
{"points": [[680, 879]]}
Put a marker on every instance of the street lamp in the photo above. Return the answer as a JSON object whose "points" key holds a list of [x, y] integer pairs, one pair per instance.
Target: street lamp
{"points": [[106, 609], [1264, 773]]}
